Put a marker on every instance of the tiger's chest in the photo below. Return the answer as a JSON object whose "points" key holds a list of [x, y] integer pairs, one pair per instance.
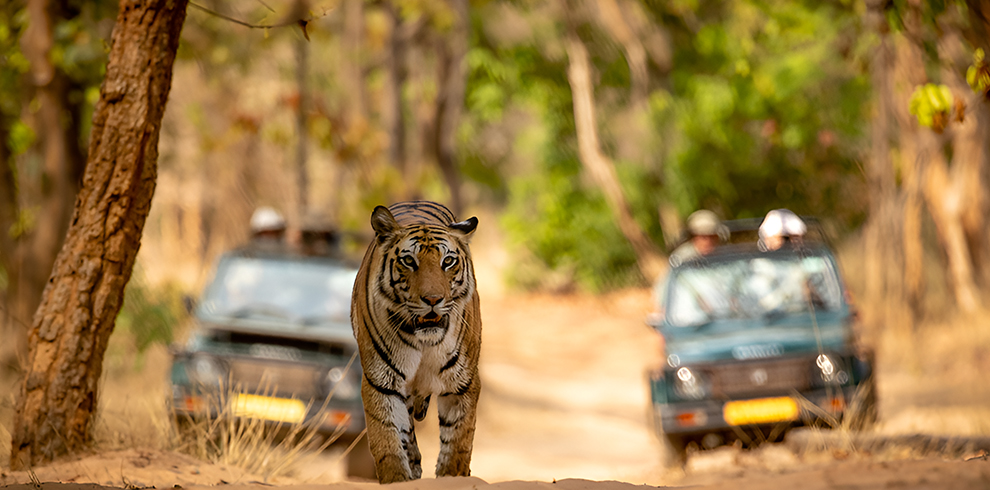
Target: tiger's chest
{"points": [[429, 369]]}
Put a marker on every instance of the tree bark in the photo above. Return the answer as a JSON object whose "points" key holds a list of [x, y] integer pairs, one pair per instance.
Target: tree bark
{"points": [[68, 337], [598, 165]]}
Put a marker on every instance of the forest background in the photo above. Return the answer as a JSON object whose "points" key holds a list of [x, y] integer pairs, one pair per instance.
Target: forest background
{"points": [[587, 129]]}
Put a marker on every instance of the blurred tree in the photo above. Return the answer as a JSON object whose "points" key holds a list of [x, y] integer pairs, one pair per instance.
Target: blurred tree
{"points": [[733, 120], [58, 65], [597, 164], [12, 67], [941, 132], [69, 336]]}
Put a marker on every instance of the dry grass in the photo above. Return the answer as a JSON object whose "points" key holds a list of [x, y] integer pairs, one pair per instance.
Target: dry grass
{"points": [[133, 413], [257, 446]]}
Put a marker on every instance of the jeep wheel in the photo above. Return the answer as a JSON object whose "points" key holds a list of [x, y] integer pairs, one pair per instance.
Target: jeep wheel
{"points": [[674, 451], [360, 462], [864, 406]]}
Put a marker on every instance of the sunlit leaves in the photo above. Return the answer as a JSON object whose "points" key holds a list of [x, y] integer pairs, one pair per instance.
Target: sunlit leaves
{"points": [[978, 74], [21, 137], [932, 105]]}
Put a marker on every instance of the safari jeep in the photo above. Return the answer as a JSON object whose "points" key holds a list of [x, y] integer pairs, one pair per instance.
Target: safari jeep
{"points": [[272, 342], [757, 342]]}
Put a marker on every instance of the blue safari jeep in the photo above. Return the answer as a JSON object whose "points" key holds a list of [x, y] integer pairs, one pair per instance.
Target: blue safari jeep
{"points": [[272, 341], [757, 342]]}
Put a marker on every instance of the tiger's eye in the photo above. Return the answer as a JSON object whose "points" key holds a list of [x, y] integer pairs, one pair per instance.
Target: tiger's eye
{"points": [[408, 260], [449, 262]]}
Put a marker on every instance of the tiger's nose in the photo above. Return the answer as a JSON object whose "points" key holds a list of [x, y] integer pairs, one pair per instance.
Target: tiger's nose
{"points": [[432, 300]]}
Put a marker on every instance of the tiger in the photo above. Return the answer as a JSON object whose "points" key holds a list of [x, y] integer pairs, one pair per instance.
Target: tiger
{"points": [[416, 316]]}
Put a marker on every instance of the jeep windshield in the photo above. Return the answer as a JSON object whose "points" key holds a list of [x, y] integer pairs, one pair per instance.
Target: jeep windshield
{"points": [[276, 291], [764, 286]]}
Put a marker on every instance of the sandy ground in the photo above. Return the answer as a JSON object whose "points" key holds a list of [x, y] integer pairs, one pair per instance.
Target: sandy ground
{"points": [[565, 406], [565, 401]]}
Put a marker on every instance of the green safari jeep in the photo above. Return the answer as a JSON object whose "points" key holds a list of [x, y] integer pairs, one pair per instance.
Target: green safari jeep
{"points": [[757, 342]]}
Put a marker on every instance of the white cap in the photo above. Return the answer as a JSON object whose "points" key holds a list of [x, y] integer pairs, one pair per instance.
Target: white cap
{"points": [[782, 222], [266, 219]]}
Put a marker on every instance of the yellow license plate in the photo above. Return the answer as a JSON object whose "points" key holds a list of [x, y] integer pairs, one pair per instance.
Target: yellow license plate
{"points": [[760, 411], [270, 408]]}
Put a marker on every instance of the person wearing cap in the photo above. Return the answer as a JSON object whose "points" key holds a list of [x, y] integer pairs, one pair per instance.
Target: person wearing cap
{"points": [[781, 226], [784, 285], [706, 231], [267, 228]]}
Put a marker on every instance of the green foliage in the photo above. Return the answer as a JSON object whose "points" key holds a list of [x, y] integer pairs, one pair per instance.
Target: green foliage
{"points": [[765, 96], [13, 66], [932, 105], [149, 316], [765, 107], [978, 74], [20, 138]]}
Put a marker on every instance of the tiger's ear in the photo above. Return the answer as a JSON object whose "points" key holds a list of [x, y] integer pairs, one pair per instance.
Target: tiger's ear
{"points": [[465, 228], [383, 222]]}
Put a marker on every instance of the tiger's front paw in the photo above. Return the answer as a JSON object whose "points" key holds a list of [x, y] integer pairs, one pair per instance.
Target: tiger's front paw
{"points": [[455, 466], [393, 469]]}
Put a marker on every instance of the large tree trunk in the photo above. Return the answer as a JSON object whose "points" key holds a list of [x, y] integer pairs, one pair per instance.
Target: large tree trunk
{"points": [[68, 337], [598, 165]]}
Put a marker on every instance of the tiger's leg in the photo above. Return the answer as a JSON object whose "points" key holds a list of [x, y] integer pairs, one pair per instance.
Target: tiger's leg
{"points": [[458, 414], [389, 426], [412, 448]]}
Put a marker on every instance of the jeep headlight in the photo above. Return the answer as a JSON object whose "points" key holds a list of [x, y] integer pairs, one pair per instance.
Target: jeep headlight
{"points": [[690, 384], [829, 370], [338, 384], [206, 370]]}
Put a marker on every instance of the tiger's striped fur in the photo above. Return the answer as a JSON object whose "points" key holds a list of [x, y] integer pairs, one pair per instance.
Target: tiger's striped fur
{"points": [[417, 319]]}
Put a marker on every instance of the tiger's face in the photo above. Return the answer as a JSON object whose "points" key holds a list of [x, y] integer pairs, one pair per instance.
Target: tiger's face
{"points": [[426, 274]]}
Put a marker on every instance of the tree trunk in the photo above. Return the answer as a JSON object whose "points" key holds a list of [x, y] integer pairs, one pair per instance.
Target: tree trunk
{"points": [[302, 141], [450, 101], [944, 195], [908, 73], [598, 165], [612, 17], [397, 74], [8, 213], [883, 259], [68, 338], [352, 41]]}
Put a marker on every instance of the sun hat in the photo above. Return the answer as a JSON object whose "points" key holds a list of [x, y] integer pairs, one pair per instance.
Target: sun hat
{"points": [[704, 222], [782, 222], [266, 219]]}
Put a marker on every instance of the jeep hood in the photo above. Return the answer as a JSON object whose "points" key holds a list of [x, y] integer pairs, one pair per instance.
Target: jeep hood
{"points": [[757, 339], [326, 332]]}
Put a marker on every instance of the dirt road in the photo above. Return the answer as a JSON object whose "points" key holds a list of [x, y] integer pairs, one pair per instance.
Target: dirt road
{"points": [[565, 397]]}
